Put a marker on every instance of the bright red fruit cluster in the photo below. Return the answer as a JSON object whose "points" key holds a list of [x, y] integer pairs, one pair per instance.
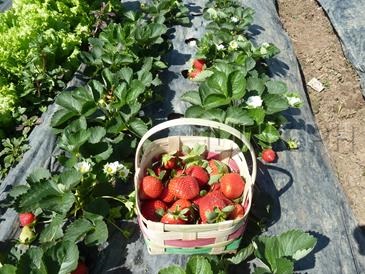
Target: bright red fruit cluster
{"points": [[188, 189], [198, 67]]}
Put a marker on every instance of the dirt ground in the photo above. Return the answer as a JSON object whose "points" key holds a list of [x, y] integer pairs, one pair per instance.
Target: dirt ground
{"points": [[339, 109]]}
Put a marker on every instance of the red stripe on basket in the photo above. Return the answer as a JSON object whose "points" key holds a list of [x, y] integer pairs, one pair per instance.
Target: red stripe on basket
{"points": [[203, 242], [233, 165], [212, 155]]}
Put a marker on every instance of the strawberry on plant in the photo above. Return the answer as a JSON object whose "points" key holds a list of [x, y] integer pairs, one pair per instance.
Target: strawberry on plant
{"points": [[81, 269], [150, 188], [268, 155], [166, 196], [194, 73], [199, 64], [153, 210], [27, 235], [238, 212], [26, 218], [232, 185], [184, 187], [199, 173]]}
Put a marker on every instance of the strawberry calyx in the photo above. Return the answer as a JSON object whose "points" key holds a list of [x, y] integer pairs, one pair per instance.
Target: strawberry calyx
{"points": [[169, 160], [161, 173], [218, 215]]}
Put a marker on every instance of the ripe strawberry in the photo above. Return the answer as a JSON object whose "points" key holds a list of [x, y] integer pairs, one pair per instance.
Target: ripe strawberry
{"points": [[153, 210], [169, 161], [170, 218], [238, 212], [199, 64], [26, 218], [194, 73], [166, 196], [232, 185], [213, 208], [215, 186], [180, 205], [217, 167], [150, 187], [199, 173], [81, 269], [184, 187], [268, 155]]}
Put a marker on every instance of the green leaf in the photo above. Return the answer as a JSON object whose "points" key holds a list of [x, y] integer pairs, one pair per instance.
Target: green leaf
{"points": [[99, 152], [173, 269], [60, 203], [138, 126], [53, 231], [62, 258], [192, 97], [215, 100], [97, 133], [276, 87], [136, 89], [61, 116], [194, 112], [242, 255], [76, 139], [256, 84], [261, 270], [237, 85], [198, 265], [31, 262], [238, 116], [98, 206], [77, 230], [275, 103], [257, 114], [218, 82], [38, 175], [269, 135], [215, 114], [8, 269], [202, 76], [66, 100], [98, 235], [284, 266], [297, 244], [70, 178]]}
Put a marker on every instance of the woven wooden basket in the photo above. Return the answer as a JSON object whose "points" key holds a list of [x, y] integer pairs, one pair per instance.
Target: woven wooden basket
{"points": [[223, 237]]}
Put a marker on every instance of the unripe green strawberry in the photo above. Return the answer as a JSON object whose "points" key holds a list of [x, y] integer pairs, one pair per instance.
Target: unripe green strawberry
{"points": [[27, 235]]}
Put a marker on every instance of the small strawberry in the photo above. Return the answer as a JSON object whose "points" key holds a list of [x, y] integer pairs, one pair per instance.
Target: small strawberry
{"points": [[150, 188], [169, 161], [199, 64], [81, 269], [194, 73], [217, 167], [238, 212], [170, 218], [27, 235], [26, 218], [212, 208], [184, 187], [268, 155], [153, 210], [166, 196], [232, 185], [199, 173]]}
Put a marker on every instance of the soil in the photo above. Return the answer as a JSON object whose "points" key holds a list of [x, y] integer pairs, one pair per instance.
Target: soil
{"points": [[340, 109]]}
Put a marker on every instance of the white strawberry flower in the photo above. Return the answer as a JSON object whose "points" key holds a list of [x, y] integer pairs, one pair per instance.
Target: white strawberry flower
{"points": [[83, 167], [294, 100], [220, 47], [111, 169], [254, 102], [234, 19], [264, 47], [212, 13], [233, 45]]}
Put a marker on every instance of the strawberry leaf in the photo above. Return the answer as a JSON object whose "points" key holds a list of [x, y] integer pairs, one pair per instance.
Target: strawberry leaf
{"points": [[32, 262], [173, 269], [242, 255], [53, 230], [77, 230], [198, 265], [99, 234], [62, 258]]}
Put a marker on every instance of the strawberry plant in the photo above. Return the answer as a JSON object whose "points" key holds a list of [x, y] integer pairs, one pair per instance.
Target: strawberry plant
{"points": [[234, 88]]}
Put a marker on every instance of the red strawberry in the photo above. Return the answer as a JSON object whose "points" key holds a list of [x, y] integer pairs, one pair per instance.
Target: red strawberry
{"points": [[199, 173], [199, 64], [26, 218], [238, 212], [169, 161], [184, 187], [180, 205], [212, 208], [81, 269], [170, 218], [215, 186], [268, 155], [150, 187], [217, 167], [194, 73], [232, 185], [166, 195], [153, 210]]}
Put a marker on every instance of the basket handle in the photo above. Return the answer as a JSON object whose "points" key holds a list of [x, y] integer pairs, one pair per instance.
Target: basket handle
{"points": [[196, 122]]}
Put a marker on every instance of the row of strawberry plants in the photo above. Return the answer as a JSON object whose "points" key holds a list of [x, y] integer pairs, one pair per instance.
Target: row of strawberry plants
{"points": [[40, 42], [98, 125], [235, 89]]}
